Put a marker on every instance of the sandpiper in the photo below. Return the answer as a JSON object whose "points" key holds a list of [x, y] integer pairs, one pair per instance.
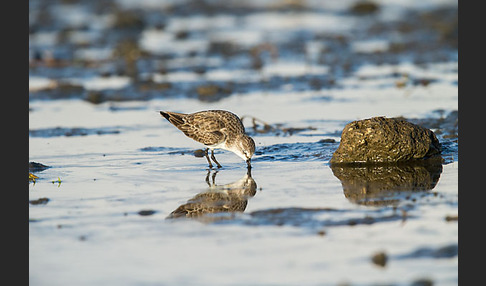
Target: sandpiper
{"points": [[215, 129]]}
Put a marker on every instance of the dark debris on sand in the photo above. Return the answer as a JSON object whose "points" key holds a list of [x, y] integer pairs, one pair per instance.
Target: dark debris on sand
{"points": [[63, 131], [37, 167]]}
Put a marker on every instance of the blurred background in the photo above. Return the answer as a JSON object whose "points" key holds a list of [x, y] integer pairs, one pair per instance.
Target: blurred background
{"points": [[119, 50]]}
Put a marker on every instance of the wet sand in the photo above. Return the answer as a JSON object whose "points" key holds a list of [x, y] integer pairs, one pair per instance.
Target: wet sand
{"points": [[297, 73]]}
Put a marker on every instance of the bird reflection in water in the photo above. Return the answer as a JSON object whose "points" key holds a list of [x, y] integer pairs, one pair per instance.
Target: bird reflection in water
{"points": [[218, 200]]}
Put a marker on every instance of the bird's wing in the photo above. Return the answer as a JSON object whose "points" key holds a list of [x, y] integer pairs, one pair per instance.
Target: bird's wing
{"points": [[206, 128]]}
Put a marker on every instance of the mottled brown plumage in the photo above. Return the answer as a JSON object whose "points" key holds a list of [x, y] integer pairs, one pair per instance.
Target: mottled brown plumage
{"points": [[218, 199], [215, 129]]}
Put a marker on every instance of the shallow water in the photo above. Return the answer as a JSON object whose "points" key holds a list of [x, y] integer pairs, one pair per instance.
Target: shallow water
{"points": [[118, 170]]}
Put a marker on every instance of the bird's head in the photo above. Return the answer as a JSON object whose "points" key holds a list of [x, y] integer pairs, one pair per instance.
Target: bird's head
{"points": [[245, 148]]}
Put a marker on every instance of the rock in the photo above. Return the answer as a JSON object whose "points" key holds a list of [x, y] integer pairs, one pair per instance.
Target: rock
{"points": [[385, 140], [40, 201], [146, 212], [364, 8], [199, 153], [37, 167], [380, 259], [452, 218]]}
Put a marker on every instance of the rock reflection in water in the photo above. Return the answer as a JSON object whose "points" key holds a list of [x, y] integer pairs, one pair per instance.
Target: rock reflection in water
{"points": [[228, 198], [382, 184]]}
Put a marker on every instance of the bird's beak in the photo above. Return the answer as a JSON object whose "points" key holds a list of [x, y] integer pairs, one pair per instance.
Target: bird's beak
{"points": [[248, 169]]}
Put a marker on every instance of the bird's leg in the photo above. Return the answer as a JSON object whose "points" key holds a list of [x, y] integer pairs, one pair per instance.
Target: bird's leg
{"points": [[214, 159], [214, 178], [207, 158], [207, 179]]}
